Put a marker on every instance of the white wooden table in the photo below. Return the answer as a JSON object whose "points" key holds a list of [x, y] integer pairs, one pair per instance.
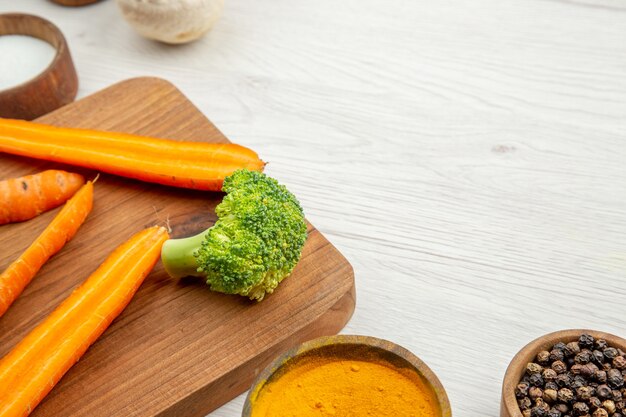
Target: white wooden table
{"points": [[468, 157]]}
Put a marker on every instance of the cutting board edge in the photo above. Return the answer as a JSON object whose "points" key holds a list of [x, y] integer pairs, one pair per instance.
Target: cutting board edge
{"points": [[193, 406]]}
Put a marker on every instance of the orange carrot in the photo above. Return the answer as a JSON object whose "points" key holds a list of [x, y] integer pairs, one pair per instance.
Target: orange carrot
{"points": [[40, 360], [196, 165], [27, 197], [62, 228]]}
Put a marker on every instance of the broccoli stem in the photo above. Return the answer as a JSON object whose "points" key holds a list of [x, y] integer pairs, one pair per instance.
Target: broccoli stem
{"points": [[178, 256]]}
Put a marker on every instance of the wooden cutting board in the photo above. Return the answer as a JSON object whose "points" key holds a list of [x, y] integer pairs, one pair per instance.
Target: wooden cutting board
{"points": [[178, 349]]}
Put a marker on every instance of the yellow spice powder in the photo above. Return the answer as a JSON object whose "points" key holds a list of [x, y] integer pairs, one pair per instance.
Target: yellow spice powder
{"points": [[345, 389]]}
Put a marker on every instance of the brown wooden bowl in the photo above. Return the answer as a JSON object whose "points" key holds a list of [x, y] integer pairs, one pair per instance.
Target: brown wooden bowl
{"points": [[517, 367], [350, 347], [74, 3], [54, 87]]}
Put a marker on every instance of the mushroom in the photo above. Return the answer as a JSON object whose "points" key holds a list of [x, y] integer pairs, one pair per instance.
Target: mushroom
{"points": [[171, 21]]}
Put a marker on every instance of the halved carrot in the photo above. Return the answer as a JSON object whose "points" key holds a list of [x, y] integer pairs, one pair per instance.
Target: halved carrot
{"points": [[26, 197], [62, 228], [40, 360], [196, 165]]}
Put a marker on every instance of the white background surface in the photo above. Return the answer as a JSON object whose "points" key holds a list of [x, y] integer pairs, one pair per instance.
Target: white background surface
{"points": [[467, 157]]}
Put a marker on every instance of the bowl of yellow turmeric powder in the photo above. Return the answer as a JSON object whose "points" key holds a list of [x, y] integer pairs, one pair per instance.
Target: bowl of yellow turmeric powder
{"points": [[347, 376]]}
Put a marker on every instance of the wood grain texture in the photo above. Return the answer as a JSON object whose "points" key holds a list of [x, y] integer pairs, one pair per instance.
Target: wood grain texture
{"points": [[177, 349], [467, 157], [56, 86]]}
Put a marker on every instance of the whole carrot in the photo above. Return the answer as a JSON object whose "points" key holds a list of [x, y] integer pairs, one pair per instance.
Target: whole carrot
{"points": [[196, 165], [40, 360], [27, 197], [62, 228]]}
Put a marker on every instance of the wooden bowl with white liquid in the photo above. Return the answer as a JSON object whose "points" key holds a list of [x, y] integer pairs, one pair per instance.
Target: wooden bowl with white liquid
{"points": [[53, 87]]}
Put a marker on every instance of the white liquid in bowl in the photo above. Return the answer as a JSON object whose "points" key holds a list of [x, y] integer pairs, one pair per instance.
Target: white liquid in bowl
{"points": [[22, 58]]}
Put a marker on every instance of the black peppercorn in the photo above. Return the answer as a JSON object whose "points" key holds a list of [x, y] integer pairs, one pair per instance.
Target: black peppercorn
{"points": [[578, 382], [536, 380], [551, 385], [572, 349], [610, 353], [615, 378], [554, 413], [535, 392], [521, 390], [619, 362], [606, 366], [524, 403], [559, 367], [600, 344], [550, 396], [539, 402], [559, 346], [620, 405], [585, 341], [594, 402], [603, 391], [584, 393], [600, 412], [575, 369], [538, 412], [600, 376], [563, 408], [609, 406], [565, 395], [588, 370], [597, 357], [580, 409], [583, 357], [533, 368], [549, 374], [618, 415], [557, 355], [564, 380], [616, 395], [526, 413], [543, 358]]}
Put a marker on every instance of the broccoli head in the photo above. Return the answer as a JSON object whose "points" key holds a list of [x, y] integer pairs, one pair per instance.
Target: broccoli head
{"points": [[255, 243]]}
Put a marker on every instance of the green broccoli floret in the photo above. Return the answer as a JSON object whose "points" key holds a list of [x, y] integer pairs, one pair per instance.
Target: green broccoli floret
{"points": [[255, 243]]}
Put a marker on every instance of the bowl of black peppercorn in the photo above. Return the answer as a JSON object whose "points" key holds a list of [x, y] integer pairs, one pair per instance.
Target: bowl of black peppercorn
{"points": [[569, 373]]}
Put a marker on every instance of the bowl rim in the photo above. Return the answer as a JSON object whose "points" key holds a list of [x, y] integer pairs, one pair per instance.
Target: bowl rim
{"points": [[58, 49], [516, 368], [373, 342], [55, 86]]}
